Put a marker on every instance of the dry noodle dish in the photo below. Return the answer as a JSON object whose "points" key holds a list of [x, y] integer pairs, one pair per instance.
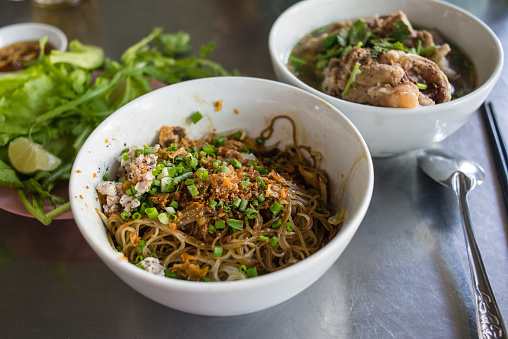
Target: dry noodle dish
{"points": [[382, 61], [226, 207]]}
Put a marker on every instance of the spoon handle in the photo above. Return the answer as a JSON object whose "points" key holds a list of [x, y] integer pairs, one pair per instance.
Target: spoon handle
{"points": [[488, 318]]}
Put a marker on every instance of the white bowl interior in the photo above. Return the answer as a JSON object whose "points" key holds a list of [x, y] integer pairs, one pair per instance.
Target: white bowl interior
{"points": [[390, 131], [319, 125], [32, 31]]}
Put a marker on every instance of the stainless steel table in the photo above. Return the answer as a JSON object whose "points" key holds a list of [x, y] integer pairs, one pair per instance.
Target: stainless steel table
{"points": [[404, 275]]}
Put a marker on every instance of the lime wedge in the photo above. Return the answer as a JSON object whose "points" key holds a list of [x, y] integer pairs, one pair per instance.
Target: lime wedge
{"points": [[28, 157]]}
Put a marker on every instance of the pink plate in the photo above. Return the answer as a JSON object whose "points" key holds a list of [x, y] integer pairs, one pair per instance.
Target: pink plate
{"points": [[11, 202]]}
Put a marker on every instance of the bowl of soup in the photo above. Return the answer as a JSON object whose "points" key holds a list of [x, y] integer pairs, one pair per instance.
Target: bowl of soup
{"points": [[20, 43], [407, 74], [222, 196]]}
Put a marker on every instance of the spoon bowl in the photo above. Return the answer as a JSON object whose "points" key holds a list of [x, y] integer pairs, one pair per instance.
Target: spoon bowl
{"points": [[462, 175], [441, 165]]}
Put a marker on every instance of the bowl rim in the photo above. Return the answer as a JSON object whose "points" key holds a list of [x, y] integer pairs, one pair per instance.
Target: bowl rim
{"points": [[38, 26], [111, 258], [421, 110]]}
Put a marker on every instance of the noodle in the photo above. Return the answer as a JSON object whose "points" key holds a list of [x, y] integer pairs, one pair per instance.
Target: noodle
{"points": [[217, 209]]}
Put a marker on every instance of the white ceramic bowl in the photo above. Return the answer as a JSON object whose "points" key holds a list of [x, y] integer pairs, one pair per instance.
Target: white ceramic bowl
{"points": [[31, 31], [391, 131], [319, 125]]}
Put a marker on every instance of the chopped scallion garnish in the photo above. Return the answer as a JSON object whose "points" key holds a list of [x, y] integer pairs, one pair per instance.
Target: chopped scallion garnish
{"points": [[352, 77], [275, 208], [217, 251], [235, 224], [196, 117]]}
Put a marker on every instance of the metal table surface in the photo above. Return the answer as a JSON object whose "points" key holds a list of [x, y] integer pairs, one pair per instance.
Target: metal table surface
{"points": [[404, 275]]}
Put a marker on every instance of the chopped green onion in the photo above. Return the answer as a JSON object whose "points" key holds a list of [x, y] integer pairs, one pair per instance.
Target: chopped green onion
{"points": [[125, 215], [125, 150], [217, 251], [219, 141], [130, 191], [143, 207], [151, 212], [105, 177], [125, 157], [289, 226], [173, 147], [237, 135], [356, 70], [260, 140], [193, 190], [118, 248], [275, 208], [212, 204], [242, 268], [163, 218], [172, 217], [428, 50], [261, 197], [170, 210], [243, 205], [254, 203], [190, 182], [245, 150], [201, 173], [277, 223], [297, 61], [237, 202], [236, 163], [206, 279], [191, 161], [139, 258], [261, 182], [139, 249], [252, 272], [245, 183], [273, 241], [263, 238], [156, 182], [419, 47], [173, 204], [235, 224], [141, 266], [153, 254], [136, 216], [160, 166], [196, 117], [219, 224], [251, 213], [421, 86], [148, 151], [209, 149]]}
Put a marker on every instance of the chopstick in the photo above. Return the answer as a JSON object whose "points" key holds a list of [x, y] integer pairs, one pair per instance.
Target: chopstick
{"points": [[498, 147]]}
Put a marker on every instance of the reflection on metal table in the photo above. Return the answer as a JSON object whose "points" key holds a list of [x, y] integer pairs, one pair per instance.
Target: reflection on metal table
{"points": [[404, 275]]}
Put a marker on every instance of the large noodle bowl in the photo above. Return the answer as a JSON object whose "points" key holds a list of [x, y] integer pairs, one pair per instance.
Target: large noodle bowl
{"points": [[225, 207]]}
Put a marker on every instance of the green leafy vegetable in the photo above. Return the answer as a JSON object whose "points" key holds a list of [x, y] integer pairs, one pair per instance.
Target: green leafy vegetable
{"points": [[60, 98]]}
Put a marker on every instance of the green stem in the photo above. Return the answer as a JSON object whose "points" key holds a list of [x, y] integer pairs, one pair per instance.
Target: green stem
{"points": [[36, 212], [59, 210]]}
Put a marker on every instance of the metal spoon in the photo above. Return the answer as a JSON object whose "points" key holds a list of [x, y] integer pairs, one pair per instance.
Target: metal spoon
{"points": [[462, 175]]}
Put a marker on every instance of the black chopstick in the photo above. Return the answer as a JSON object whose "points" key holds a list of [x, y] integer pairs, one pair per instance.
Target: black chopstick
{"points": [[498, 147]]}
